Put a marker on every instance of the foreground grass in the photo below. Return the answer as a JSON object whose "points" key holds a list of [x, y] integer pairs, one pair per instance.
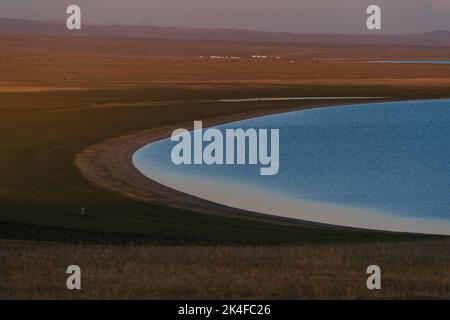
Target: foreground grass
{"points": [[409, 270]]}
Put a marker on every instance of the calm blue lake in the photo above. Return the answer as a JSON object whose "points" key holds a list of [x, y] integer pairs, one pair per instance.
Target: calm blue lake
{"points": [[414, 61], [388, 157]]}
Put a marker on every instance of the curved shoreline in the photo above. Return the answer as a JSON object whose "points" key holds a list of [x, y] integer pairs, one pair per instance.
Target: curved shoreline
{"points": [[109, 165]]}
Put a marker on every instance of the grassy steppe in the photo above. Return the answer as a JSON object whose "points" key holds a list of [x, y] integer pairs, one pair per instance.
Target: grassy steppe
{"points": [[41, 190], [59, 96]]}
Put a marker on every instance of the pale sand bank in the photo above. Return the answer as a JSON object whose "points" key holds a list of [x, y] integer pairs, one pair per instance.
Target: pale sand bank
{"points": [[249, 199]]}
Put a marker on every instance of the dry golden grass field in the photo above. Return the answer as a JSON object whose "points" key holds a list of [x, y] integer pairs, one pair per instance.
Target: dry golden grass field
{"points": [[409, 270]]}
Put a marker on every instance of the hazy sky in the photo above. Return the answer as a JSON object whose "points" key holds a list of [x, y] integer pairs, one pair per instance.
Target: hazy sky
{"points": [[399, 16]]}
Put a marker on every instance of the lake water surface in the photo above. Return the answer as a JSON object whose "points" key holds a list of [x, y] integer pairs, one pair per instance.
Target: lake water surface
{"points": [[377, 166], [414, 61]]}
